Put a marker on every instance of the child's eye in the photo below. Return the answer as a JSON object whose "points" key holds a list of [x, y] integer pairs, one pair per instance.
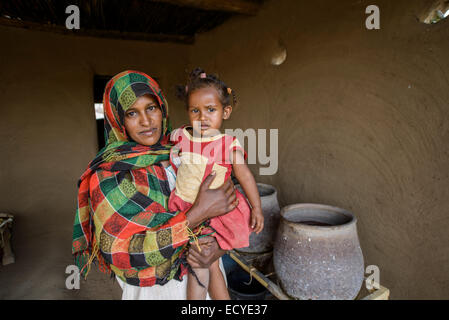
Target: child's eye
{"points": [[151, 108], [211, 109], [194, 110], [131, 114]]}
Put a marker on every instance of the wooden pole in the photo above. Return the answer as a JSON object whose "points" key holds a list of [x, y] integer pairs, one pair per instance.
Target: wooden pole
{"points": [[263, 280]]}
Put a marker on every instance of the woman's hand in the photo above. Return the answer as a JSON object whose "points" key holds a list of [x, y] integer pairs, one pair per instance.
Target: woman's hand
{"points": [[210, 203], [210, 251]]}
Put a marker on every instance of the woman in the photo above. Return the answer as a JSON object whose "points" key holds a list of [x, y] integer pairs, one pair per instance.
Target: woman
{"points": [[122, 218]]}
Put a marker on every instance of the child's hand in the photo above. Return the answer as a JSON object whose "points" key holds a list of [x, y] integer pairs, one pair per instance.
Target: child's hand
{"points": [[257, 219]]}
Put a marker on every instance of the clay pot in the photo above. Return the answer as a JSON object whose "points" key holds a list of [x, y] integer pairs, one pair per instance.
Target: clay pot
{"points": [[317, 254], [263, 242]]}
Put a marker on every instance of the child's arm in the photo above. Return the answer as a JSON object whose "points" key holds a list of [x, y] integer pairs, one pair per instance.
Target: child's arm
{"points": [[217, 284], [246, 180]]}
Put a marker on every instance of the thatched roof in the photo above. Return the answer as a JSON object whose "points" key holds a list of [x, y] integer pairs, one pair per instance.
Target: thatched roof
{"points": [[161, 20]]}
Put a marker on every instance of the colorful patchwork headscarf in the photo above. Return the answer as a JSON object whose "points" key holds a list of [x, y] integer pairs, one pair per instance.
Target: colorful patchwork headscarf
{"points": [[122, 218]]}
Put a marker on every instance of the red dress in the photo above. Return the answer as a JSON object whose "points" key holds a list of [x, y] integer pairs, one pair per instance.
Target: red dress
{"points": [[194, 158]]}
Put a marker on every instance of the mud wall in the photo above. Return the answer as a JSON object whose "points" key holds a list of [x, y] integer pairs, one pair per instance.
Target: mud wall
{"points": [[362, 118]]}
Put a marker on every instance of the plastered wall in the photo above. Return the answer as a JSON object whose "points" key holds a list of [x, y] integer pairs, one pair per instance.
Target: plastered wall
{"points": [[362, 118]]}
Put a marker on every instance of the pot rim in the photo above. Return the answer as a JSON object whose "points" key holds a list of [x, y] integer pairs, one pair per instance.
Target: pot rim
{"points": [[352, 221]]}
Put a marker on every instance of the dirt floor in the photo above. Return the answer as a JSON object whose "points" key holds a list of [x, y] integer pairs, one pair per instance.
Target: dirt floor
{"points": [[98, 286], [40, 274]]}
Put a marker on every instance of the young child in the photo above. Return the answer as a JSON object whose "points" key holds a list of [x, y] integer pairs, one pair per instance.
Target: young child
{"points": [[199, 150]]}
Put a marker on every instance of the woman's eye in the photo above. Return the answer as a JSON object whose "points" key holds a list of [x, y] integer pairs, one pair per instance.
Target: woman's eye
{"points": [[151, 108], [131, 114]]}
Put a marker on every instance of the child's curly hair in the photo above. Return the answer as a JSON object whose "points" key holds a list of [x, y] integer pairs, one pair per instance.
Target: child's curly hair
{"points": [[198, 78]]}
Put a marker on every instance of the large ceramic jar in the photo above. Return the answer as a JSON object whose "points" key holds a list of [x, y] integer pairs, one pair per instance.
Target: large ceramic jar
{"points": [[263, 242], [317, 254]]}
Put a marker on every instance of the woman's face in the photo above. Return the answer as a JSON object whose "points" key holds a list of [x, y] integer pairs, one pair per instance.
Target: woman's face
{"points": [[143, 120]]}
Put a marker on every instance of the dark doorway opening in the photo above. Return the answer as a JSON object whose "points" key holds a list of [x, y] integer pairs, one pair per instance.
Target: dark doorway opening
{"points": [[99, 86]]}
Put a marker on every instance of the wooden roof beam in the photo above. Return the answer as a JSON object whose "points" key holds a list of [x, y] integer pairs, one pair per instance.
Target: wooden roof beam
{"points": [[110, 34], [234, 6]]}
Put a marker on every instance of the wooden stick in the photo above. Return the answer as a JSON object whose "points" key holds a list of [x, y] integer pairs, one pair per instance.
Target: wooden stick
{"points": [[263, 280], [380, 294]]}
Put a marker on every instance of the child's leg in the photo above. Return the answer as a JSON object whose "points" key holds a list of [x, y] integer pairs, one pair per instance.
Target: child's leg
{"points": [[194, 290], [217, 284]]}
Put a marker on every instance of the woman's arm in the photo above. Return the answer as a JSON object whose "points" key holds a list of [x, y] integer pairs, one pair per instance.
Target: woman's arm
{"points": [[248, 183], [131, 237]]}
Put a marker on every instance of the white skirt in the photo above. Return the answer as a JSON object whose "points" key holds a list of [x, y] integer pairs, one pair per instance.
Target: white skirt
{"points": [[172, 290]]}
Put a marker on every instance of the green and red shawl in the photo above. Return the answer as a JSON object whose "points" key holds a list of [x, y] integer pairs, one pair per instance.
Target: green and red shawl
{"points": [[122, 219]]}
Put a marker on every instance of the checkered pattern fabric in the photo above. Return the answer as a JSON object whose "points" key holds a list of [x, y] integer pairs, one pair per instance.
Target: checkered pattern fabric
{"points": [[122, 219]]}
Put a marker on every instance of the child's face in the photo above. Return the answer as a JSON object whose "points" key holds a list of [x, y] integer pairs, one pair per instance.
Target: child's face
{"points": [[206, 113]]}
